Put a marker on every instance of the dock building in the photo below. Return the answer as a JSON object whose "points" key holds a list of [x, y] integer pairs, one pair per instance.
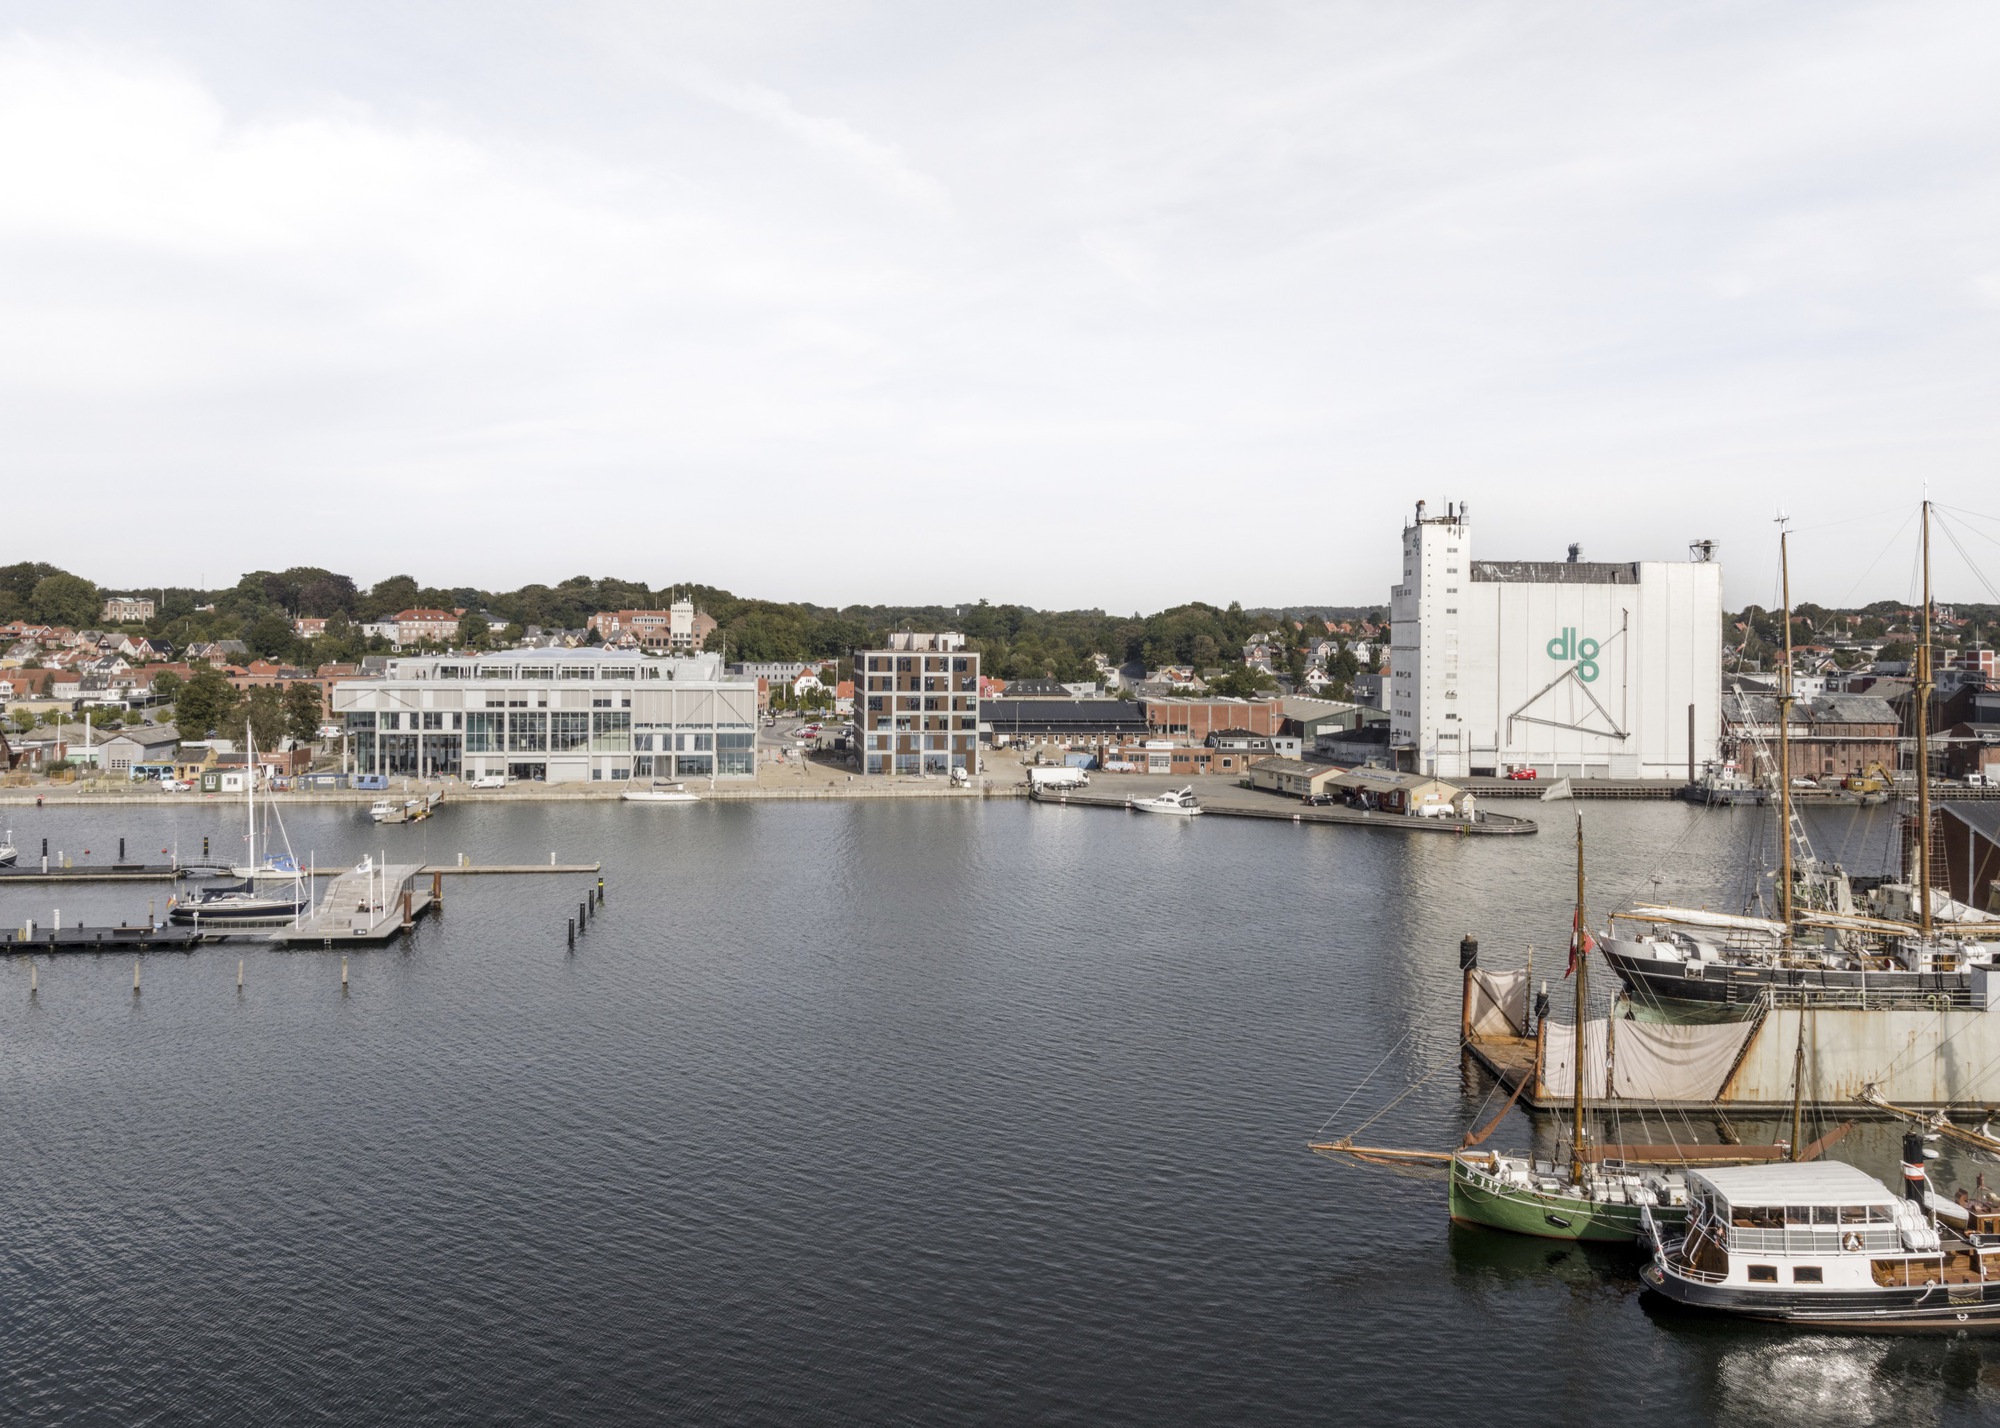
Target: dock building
{"points": [[916, 705], [1573, 668], [556, 716]]}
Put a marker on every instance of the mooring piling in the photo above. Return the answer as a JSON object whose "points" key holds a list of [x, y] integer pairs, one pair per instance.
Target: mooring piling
{"points": [[135, 976]]}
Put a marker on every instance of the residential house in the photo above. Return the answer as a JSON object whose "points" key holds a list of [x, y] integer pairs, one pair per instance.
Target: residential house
{"points": [[309, 627], [125, 610], [435, 626]]}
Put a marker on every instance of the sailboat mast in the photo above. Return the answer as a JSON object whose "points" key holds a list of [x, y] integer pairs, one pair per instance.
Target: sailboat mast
{"points": [[250, 792], [1582, 957], [1920, 698], [1785, 744]]}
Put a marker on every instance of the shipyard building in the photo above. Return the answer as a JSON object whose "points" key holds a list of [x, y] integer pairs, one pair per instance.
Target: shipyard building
{"points": [[1571, 668], [555, 716]]}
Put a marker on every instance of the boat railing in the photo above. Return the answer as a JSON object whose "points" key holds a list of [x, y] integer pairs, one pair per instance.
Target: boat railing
{"points": [[1815, 1239]]}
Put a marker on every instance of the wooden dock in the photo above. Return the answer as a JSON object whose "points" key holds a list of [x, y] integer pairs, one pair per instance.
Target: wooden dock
{"points": [[1224, 803], [111, 873], [22, 941], [369, 903]]}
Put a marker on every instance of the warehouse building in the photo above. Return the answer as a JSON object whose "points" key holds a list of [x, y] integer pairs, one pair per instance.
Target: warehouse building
{"points": [[1572, 668]]}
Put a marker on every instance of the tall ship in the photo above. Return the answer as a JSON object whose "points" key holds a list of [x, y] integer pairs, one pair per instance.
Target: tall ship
{"points": [[1907, 945]]}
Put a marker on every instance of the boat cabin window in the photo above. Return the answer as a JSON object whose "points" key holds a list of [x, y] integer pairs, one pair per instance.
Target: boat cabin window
{"points": [[1854, 1214], [1760, 1217], [1807, 1274], [1763, 1274]]}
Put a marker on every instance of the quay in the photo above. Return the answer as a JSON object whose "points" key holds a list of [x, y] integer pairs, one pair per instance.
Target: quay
{"points": [[1227, 798]]}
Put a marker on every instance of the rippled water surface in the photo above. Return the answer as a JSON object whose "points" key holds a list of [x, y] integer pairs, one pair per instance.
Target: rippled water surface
{"points": [[840, 1113]]}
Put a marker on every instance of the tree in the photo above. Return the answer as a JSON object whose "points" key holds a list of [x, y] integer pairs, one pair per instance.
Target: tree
{"points": [[1242, 682], [302, 711], [24, 719], [263, 709], [65, 600], [166, 685], [204, 702], [473, 632], [271, 636]]}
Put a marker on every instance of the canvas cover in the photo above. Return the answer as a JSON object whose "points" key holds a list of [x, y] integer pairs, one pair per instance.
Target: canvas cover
{"points": [[1649, 1061], [1497, 1003]]}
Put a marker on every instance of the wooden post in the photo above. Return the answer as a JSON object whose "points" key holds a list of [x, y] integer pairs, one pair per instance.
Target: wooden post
{"points": [[406, 910], [437, 887], [135, 976], [572, 932], [583, 917], [1468, 963]]}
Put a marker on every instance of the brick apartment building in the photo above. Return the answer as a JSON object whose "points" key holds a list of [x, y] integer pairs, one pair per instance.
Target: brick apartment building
{"points": [[916, 705]]}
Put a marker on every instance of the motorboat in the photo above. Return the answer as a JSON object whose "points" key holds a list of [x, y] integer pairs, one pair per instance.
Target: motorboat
{"points": [[1722, 786], [388, 810], [1825, 1245], [8, 852], [660, 791], [1181, 803]]}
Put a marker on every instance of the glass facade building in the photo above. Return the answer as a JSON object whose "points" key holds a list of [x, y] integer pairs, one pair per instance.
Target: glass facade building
{"points": [[555, 716]]}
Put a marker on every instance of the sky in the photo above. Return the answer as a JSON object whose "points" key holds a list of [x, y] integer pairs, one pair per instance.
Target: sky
{"points": [[1078, 305]]}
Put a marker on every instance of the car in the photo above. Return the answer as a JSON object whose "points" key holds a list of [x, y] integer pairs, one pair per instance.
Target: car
{"points": [[1522, 773], [1319, 800], [174, 785], [489, 781]]}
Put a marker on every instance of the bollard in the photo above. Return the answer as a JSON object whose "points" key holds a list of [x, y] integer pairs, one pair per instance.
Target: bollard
{"points": [[600, 891], [343, 976], [583, 917], [239, 974], [32, 970], [135, 976], [572, 933], [121, 850]]}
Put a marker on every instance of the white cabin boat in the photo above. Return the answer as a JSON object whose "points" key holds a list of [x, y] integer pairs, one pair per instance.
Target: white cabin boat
{"points": [[1180, 803], [660, 791]]}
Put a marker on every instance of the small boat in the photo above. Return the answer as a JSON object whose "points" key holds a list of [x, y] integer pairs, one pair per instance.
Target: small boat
{"points": [[243, 904], [660, 791], [1828, 1246], [1723, 787], [8, 852], [1181, 804]]}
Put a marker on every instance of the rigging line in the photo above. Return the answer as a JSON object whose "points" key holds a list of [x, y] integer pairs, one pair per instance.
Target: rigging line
{"points": [[1886, 548], [1850, 520], [1964, 511], [1408, 1091], [1979, 574], [1364, 1082]]}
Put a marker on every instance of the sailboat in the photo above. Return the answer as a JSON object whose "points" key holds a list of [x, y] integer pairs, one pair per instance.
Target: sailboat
{"points": [[243, 904], [1822, 949], [1601, 1193]]}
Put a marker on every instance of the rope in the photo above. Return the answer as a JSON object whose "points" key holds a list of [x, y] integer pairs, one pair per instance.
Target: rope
{"points": [[1364, 1083]]}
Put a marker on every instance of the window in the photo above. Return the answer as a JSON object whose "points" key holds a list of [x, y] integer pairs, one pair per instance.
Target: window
{"points": [[485, 733], [568, 732], [433, 719], [1807, 1274], [528, 732], [612, 732], [1763, 1274]]}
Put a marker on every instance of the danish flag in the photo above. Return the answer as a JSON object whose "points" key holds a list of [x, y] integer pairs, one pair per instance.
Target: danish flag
{"points": [[1581, 943]]}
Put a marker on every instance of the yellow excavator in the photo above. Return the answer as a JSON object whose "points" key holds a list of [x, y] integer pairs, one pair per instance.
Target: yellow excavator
{"points": [[1873, 779]]}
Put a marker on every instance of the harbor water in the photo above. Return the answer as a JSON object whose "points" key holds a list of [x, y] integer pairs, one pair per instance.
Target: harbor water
{"points": [[911, 1111]]}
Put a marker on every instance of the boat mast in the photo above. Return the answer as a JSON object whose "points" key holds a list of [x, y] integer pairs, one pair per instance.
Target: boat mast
{"points": [[1579, 952], [1921, 703], [1785, 743], [1799, 1088], [250, 794]]}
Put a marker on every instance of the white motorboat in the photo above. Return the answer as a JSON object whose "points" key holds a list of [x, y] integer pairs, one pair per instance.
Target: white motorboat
{"points": [[1181, 804], [8, 852], [660, 792], [388, 810]]}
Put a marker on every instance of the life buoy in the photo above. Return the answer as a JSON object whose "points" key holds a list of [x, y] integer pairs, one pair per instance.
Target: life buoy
{"points": [[1851, 1241]]}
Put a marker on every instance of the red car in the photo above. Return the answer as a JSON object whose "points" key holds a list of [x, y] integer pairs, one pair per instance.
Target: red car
{"points": [[1522, 773]]}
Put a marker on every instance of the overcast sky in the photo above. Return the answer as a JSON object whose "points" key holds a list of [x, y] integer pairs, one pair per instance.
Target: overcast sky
{"points": [[1106, 305]]}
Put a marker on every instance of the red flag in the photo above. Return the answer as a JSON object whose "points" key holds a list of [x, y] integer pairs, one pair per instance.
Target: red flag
{"points": [[1580, 943]]}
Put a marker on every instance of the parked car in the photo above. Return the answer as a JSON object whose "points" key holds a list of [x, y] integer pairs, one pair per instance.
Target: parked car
{"points": [[1319, 800], [490, 781], [1522, 773], [174, 785]]}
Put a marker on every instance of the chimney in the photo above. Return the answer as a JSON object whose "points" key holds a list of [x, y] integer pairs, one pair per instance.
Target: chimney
{"points": [[1575, 553]]}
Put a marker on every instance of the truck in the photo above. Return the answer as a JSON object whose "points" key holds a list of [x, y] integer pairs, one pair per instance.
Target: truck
{"points": [[1059, 777]]}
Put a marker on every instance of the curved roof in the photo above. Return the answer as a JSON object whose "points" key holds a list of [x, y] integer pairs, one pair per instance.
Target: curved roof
{"points": [[1813, 1182]]}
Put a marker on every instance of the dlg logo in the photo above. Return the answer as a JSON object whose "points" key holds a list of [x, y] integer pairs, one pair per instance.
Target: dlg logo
{"points": [[1566, 646]]}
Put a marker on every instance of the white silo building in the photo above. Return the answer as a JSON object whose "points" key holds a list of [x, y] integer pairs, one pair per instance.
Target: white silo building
{"points": [[1574, 668]]}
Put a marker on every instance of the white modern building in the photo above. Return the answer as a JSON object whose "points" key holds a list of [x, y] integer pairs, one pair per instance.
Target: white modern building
{"points": [[1574, 668], [556, 716]]}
